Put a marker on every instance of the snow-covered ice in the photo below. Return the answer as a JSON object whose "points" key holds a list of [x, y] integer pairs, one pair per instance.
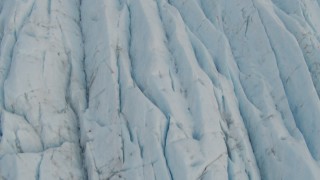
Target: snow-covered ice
{"points": [[159, 89]]}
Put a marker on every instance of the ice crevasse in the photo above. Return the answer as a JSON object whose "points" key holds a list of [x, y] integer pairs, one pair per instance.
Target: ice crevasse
{"points": [[159, 89]]}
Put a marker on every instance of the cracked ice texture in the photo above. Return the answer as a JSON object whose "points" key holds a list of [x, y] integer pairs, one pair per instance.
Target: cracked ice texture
{"points": [[159, 89]]}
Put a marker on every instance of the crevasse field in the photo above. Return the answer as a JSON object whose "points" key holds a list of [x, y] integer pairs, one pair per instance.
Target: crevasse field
{"points": [[159, 89]]}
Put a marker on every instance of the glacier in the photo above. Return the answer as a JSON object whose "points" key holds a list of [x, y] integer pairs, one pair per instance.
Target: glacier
{"points": [[159, 89]]}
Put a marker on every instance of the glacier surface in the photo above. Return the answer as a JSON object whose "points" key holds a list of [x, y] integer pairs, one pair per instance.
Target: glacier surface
{"points": [[159, 89]]}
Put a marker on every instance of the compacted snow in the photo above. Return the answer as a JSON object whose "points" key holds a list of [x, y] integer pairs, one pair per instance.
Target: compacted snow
{"points": [[159, 89]]}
